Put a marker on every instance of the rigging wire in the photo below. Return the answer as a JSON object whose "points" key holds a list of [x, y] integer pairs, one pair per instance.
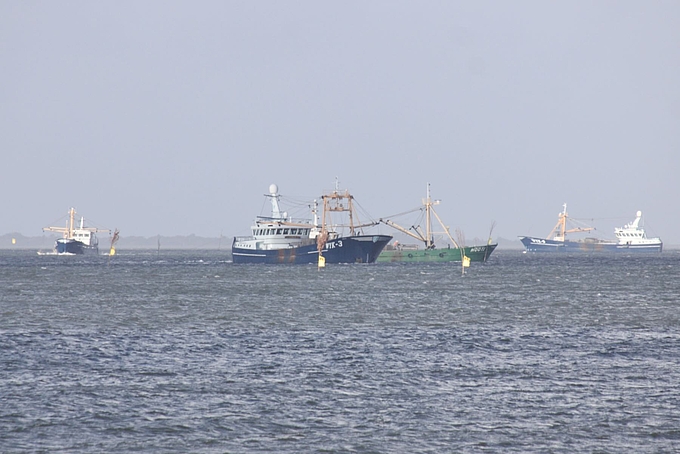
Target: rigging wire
{"points": [[404, 213], [89, 222]]}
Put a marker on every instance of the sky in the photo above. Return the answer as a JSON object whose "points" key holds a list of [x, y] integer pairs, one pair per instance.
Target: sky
{"points": [[174, 117]]}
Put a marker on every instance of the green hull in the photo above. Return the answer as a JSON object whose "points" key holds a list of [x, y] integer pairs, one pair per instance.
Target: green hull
{"points": [[475, 253]]}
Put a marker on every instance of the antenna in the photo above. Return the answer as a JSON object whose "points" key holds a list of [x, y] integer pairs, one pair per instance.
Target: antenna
{"points": [[274, 195]]}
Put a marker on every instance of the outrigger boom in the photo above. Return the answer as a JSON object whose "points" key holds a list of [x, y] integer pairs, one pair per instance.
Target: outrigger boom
{"points": [[561, 226], [428, 237]]}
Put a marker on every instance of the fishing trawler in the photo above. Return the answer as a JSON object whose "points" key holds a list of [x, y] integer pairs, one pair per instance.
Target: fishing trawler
{"points": [[282, 239], [629, 238], [430, 253], [76, 240]]}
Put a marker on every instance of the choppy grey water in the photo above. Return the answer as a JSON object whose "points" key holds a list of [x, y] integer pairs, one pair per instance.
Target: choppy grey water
{"points": [[186, 352]]}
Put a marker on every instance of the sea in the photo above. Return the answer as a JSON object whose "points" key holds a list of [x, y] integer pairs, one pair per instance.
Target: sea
{"points": [[184, 351]]}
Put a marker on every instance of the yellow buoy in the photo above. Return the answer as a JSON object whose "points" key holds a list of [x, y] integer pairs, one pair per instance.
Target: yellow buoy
{"points": [[112, 251], [14, 241], [466, 261], [322, 261]]}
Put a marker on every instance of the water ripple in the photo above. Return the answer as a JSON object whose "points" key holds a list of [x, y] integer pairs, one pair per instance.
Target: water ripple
{"points": [[191, 353]]}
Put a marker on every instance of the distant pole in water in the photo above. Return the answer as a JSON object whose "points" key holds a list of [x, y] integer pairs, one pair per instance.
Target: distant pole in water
{"points": [[158, 251]]}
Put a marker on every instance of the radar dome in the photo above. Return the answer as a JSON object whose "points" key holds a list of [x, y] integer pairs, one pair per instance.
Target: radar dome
{"points": [[639, 213], [273, 189]]}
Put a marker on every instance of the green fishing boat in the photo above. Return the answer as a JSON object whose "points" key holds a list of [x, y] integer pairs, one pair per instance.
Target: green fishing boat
{"points": [[474, 253], [430, 252]]}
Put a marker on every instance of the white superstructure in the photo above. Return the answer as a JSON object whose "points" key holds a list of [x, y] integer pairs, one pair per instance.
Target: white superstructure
{"points": [[633, 235]]}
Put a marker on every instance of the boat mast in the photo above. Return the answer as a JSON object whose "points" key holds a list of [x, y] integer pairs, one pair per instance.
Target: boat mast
{"points": [[429, 243], [350, 208], [561, 226], [274, 195], [636, 222], [333, 202], [72, 215], [315, 212], [428, 237]]}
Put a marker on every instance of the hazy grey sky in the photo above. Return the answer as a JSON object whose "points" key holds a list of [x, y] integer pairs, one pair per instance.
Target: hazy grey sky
{"points": [[172, 118]]}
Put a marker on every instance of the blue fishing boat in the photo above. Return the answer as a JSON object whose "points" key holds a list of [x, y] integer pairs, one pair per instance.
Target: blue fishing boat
{"points": [[629, 238], [282, 239], [76, 239]]}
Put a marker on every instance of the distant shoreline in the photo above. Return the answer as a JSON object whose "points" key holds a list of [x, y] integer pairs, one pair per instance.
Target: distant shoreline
{"points": [[46, 242]]}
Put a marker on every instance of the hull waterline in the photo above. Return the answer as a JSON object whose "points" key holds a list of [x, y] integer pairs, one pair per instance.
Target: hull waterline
{"points": [[534, 244], [475, 253], [74, 247], [351, 249]]}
